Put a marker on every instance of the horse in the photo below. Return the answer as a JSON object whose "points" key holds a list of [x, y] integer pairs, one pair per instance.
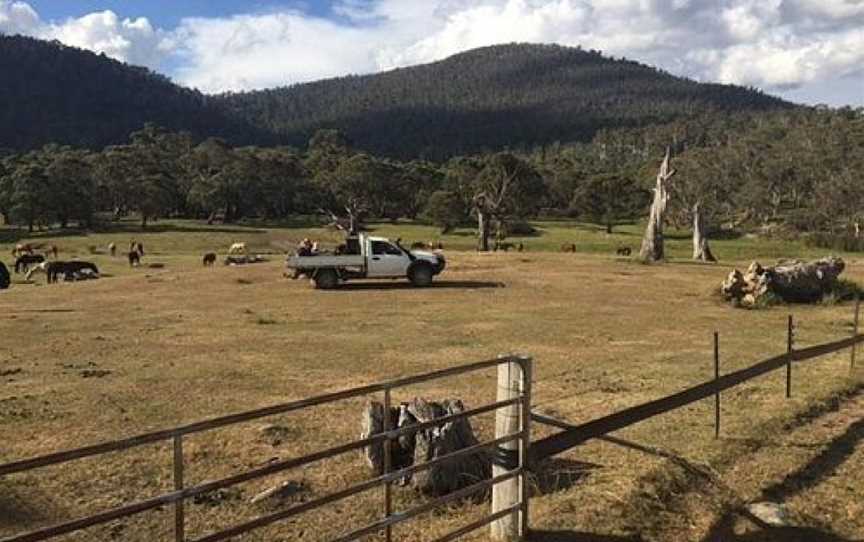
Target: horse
{"points": [[623, 251], [38, 268], [140, 248], [134, 258], [209, 259], [24, 248], [568, 247], [69, 269], [4, 277], [112, 248], [24, 261]]}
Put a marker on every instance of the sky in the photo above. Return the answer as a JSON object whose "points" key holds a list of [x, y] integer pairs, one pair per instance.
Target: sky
{"points": [[808, 51]]}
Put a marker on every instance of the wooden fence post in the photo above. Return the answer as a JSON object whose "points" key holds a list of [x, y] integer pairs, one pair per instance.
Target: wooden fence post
{"points": [[716, 378], [855, 332], [789, 332], [179, 516], [526, 363], [508, 421]]}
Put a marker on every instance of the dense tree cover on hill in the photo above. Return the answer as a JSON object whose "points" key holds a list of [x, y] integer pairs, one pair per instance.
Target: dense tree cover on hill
{"points": [[488, 99], [515, 96], [50, 93]]}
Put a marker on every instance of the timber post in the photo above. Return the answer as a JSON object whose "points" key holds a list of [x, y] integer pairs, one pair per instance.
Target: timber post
{"points": [[513, 383], [855, 332]]}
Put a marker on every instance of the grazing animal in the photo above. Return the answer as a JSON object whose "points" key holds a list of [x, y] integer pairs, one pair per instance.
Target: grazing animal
{"points": [[26, 260], [38, 268], [623, 251], [112, 248], [503, 246], [134, 258], [520, 247], [52, 250], [4, 277], [140, 248], [209, 258], [568, 247], [69, 270], [24, 248], [237, 248]]}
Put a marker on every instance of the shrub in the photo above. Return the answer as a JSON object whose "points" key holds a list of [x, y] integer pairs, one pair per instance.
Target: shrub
{"points": [[835, 241]]}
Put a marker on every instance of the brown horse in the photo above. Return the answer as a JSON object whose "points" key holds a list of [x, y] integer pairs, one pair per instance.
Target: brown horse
{"points": [[134, 258], [209, 259]]}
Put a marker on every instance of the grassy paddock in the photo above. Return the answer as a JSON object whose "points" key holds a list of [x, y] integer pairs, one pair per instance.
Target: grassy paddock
{"points": [[145, 349]]}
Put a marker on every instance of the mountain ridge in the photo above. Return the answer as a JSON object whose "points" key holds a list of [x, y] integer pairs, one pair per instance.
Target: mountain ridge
{"points": [[490, 98]]}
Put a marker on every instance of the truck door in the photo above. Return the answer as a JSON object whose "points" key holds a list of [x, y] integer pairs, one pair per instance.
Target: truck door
{"points": [[386, 260]]}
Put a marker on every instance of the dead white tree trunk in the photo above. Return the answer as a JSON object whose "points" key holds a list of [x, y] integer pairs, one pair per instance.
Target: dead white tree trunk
{"points": [[652, 242], [483, 229], [701, 250]]}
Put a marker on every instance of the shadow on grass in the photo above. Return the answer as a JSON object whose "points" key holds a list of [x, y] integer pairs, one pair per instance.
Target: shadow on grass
{"points": [[17, 514], [724, 531], [558, 474], [575, 536], [440, 285], [810, 475]]}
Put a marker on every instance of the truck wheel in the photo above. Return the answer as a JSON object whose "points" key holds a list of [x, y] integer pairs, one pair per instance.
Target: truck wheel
{"points": [[421, 275], [326, 279]]}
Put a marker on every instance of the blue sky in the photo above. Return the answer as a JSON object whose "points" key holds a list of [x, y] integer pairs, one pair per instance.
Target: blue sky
{"points": [[168, 13], [810, 51]]}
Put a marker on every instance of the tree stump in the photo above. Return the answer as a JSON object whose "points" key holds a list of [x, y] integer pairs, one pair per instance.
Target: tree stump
{"points": [[790, 280], [415, 447]]}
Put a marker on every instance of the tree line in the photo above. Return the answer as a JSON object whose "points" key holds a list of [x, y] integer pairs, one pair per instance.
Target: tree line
{"points": [[787, 172]]}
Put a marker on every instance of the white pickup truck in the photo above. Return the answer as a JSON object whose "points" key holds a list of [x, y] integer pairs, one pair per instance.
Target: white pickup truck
{"points": [[365, 257]]}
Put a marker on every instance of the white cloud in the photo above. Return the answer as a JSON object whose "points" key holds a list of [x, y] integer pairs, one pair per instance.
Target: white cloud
{"points": [[129, 40], [17, 18], [774, 44]]}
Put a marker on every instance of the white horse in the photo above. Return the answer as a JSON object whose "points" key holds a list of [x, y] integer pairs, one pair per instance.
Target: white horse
{"points": [[38, 268]]}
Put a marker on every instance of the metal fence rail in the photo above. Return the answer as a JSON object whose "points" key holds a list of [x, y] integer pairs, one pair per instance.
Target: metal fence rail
{"points": [[181, 493]]}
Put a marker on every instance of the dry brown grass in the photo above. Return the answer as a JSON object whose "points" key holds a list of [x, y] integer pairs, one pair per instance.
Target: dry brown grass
{"points": [[185, 343]]}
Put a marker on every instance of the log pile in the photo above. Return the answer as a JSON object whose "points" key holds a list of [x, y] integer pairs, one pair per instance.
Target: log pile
{"points": [[415, 447], [790, 280]]}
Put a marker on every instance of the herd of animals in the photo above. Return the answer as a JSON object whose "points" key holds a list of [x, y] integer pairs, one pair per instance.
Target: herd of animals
{"points": [[32, 258]]}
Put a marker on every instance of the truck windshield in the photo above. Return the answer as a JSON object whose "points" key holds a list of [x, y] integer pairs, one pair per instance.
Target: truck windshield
{"points": [[383, 247]]}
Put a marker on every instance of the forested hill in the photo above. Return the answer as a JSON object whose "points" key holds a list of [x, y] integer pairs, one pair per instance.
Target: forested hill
{"points": [[509, 96], [487, 99], [50, 93]]}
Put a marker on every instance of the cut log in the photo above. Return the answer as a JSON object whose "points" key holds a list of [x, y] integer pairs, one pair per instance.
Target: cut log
{"points": [[453, 474], [790, 280], [427, 444], [652, 242]]}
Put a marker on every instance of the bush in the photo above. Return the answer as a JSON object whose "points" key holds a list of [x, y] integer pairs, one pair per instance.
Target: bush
{"points": [[835, 241], [520, 228]]}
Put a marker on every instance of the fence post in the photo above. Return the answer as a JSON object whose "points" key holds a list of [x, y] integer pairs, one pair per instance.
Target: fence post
{"points": [[716, 378], [855, 332], [526, 364], [179, 519], [789, 332], [507, 422], [388, 460]]}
